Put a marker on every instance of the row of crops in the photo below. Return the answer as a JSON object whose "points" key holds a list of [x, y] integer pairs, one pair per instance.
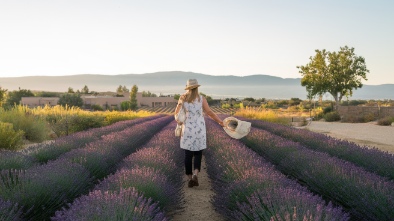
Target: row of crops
{"points": [[170, 110], [132, 170], [42, 188]]}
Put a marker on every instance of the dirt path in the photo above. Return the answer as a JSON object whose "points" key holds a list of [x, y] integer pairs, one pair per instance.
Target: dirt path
{"points": [[365, 134], [197, 205]]}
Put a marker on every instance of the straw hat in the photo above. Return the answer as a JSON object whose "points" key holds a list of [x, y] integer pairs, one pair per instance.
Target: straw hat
{"points": [[236, 128], [191, 84]]}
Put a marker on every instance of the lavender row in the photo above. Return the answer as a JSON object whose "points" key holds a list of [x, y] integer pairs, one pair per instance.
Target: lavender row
{"points": [[52, 150], [146, 185], [249, 188], [366, 195], [43, 189], [49, 151], [372, 159]]}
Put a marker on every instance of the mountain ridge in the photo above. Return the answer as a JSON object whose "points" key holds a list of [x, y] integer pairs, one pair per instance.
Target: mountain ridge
{"points": [[173, 82]]}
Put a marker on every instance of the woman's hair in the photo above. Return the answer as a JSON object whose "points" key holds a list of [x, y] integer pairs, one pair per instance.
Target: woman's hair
{"points": [[192, 94]]}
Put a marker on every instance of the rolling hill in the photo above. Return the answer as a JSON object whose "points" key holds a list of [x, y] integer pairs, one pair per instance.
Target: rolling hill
{"points": [[258, 86]]}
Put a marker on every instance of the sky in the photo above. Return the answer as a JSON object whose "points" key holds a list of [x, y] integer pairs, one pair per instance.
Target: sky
{"points": [[214, 37]]}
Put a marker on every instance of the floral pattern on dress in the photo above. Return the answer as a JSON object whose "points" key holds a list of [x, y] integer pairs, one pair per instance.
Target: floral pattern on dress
{"points": [[194, 130]]}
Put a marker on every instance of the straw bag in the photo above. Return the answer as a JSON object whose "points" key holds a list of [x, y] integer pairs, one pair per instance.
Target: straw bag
{"points": [[180, 117]]}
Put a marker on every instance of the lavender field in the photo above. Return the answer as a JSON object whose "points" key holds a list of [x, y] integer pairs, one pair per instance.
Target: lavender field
{"points": [[133, 170]]}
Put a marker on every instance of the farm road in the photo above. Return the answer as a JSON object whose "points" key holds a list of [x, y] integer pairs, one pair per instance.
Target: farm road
{"points": [[365, 134], [197, 205]]}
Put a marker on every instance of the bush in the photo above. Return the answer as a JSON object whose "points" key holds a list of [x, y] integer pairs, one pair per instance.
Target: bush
{"points": [[327, 110], [35, 127], [9, 138], [96, 107], [386, 121], [332, 116]]}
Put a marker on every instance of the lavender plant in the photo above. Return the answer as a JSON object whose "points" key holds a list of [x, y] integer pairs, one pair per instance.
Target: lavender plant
{"points": [[42, 189], [240, 175], [366, 195], [15, 160], [125, 204], [10, 211], [50, 151], [154, 176], [372, 159]]}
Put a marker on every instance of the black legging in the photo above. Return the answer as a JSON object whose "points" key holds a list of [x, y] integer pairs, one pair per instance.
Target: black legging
{"points": [[189, 161]]}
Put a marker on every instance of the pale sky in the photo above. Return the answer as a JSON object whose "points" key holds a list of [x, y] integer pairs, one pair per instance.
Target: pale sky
{"points": [[215, 37]]}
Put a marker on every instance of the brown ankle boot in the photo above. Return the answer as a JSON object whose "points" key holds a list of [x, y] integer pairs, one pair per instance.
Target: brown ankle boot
{"points": [[190, 183], [195, 180]]}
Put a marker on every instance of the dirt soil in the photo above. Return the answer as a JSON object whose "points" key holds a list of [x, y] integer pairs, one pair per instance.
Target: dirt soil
{"points": [[197, 205], [365, 134]]}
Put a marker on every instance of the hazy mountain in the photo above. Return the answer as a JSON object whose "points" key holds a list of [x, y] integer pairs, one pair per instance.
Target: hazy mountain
{"points": [[258, 86]]}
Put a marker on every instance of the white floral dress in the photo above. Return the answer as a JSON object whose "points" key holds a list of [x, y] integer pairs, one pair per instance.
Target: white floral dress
{"points": [[194, 130]]}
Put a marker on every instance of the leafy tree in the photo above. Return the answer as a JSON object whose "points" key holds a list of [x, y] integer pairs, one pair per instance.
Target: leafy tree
{"points": [[47, 94], [15, 97], [208, 98], [133, 98], [148, 94], [3, 96], [71, 99], [85, 90], [294, 101], [177, 96], [125, 89], [119, 89], [250, 99], [337, 73], [125, 105], [70, 90]]}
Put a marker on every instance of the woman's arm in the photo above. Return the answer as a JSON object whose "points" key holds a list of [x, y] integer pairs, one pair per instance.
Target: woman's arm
{"points": [[179, 105], [210, 113]]}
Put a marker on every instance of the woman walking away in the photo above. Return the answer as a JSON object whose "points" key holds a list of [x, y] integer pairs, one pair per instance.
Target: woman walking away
{"points": [[193, 135]]}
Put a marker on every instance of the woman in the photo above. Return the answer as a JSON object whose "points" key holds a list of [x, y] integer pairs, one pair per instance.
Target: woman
{"points": [[193, 137]]}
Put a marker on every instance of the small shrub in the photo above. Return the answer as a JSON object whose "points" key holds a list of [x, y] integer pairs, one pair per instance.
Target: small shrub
{"points": [[332, 116], [386, 121], [9, 138], [96, 107], [327, 110]]}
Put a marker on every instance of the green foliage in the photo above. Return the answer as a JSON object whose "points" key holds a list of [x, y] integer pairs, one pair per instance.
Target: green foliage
{"points": [[294, 101], [386, 121], [125, 105], [177, 96], [15, 97], [208, 98], [148, 94], [9, 138], [47, 94], [133, 98], [96, 107], [34, 127], [337, 73], [70, 90], [65, 124], [85, 90], [332, 116], [71, 100], [251, 99], [3, 96]]}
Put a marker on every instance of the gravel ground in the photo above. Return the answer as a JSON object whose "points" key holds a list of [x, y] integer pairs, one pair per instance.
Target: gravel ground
{"points": [[365, 134]]}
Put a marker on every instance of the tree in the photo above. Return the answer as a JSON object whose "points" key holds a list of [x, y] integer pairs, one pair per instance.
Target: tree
{"points": [[15, 97], [85, 90], [125, 89], [148, 94], [119, 89], [133, 98], [71, 99], [3, 96], [70, 90], [337, 73], [208, 98]]}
